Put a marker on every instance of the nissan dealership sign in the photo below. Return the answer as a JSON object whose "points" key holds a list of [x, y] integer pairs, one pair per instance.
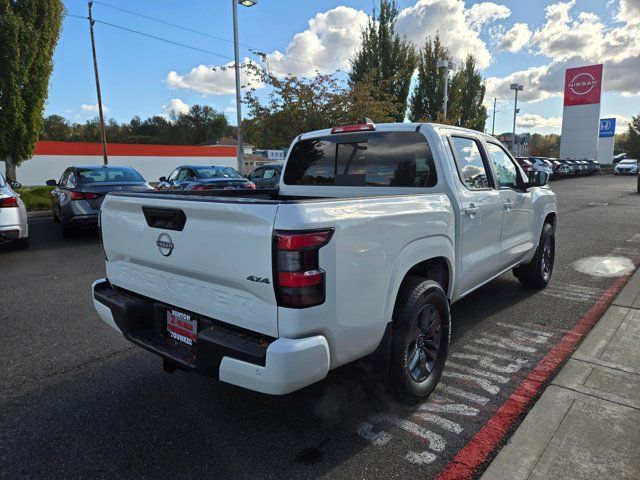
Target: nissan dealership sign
{"points": [[583, 85], [581, 113]]}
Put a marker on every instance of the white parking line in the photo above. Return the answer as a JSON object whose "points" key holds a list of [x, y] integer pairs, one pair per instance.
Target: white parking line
{"points": [[480, 373], [445, 405], [524, 329], [502, 343], [365, 430], [422, 458], [436, 442], [483, 383], [439, 421], [491, 353], [458, 392], [488, 363]]}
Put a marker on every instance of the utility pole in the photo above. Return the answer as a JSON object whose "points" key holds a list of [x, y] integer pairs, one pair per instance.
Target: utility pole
{"points": [[95, 69], [446, 65], [518, 88], [238, 101], [493, 122]]}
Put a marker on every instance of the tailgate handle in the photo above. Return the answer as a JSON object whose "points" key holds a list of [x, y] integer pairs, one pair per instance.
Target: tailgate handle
{"points": [[165, 218]]}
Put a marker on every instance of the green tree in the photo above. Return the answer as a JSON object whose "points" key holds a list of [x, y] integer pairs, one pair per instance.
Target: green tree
{"points": [[29, 31], [55, 127], [201, 124], [295, 105], [384, 60], [466, 97], [632, 146], [427, 97], [545, 145]]}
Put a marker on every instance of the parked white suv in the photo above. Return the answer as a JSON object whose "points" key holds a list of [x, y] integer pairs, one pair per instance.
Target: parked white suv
{"points": [[374, 232], [541, 165], [14, 226], [628, 166]]}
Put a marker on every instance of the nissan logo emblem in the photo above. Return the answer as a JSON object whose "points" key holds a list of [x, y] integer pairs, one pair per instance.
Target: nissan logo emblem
{"points": [[165, 244], [582, 83]]}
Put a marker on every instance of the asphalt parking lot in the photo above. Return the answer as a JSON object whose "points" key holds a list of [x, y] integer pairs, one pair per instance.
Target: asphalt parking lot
{"points": [[78, 401]]}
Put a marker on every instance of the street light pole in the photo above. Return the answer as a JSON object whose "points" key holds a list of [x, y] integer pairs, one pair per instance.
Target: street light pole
{"points": [[446, 65], [493, 122], [517, 88], [238, 101], [103, 133]]}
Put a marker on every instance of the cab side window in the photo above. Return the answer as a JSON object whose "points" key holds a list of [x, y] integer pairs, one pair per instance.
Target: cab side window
{"points": [[270, 173], [257, 173], [68, 180], [183, 175], [506, 169], [174, 175], [471, 167]]}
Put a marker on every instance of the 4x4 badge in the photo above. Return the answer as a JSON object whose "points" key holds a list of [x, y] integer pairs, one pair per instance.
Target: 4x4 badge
{"points": [[251, 278]]}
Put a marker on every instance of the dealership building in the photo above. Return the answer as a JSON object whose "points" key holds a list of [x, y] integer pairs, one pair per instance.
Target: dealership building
{"points": [[50, 159]]}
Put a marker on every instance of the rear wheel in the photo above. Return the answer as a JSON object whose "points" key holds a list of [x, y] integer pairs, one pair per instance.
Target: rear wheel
{"points": [[22, 243], [537, 273], [420, 339], [67, 230]]}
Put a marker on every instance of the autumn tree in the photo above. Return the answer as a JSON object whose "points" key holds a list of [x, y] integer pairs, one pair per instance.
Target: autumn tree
{"points": [[385, 61], [427, 98], [29, 31], [466, 97]]}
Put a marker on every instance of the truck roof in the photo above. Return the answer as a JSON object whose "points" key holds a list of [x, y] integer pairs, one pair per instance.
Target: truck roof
{"points": [[398, 127]]}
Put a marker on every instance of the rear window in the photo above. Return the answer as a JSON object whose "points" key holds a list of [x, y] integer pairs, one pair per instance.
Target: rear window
{"points": [[108, 175], [372, 159], [216, 172]]}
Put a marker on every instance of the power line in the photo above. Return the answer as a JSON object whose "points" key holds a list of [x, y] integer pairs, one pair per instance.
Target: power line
{"points": [[254, 50], [166, 40]]}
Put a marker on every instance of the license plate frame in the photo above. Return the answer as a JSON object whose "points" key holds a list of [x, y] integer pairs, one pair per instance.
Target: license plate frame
{"points": [[181, 327]]}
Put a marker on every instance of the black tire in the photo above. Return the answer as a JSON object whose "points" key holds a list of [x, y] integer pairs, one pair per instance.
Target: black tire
{"points": [[21, 243], [67, 230], [638, 183], [537, 273], [420, 337], [56, 218]]}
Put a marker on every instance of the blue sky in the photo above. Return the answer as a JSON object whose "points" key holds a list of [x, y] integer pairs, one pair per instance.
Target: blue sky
{"points": [[526, 41]]}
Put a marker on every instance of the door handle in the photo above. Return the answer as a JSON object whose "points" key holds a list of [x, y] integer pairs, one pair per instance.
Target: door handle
{"points": [[507, 205], [472, 209]]}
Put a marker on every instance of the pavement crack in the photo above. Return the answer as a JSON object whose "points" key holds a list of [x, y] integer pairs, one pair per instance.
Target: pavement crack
{"points": [[70, 369]]}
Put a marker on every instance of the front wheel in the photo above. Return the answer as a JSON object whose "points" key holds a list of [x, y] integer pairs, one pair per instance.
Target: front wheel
{"points": [[420, 339], [537, 273]]}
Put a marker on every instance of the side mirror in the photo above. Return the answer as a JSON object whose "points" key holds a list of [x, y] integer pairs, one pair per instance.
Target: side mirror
{"points": [[162, 179], [15, 185], [51, 183], [538, 179]]}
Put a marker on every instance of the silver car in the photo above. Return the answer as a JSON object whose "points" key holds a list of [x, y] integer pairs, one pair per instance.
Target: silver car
{"points": [[13, 215], [78, 195]]}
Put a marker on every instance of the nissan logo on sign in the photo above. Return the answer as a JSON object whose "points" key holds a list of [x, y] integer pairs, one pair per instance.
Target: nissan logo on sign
{"points": [[583, 85]]}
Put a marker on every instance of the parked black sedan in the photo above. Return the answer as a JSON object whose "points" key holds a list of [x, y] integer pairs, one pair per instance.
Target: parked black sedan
{"points": [[79, 193], [205, 177], [266, 176]]}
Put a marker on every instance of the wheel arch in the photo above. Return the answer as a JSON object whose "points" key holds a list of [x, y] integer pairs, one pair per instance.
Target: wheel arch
{"points": [[430, 258]]}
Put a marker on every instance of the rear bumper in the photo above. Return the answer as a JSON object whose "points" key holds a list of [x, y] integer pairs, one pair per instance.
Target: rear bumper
{"points": [[9, 233], [236, 356], [83, 221]]}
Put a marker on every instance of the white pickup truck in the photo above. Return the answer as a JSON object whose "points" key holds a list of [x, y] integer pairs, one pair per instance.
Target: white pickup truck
{"points": [[373, 232]]}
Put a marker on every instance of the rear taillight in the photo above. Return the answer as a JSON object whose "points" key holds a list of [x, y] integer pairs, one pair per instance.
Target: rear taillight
{"points": [[299, 280], [202, 187], [82, 196], [8, 202], [250, 185]]}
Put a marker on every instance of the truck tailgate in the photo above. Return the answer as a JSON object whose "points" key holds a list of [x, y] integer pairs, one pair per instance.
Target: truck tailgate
{"points": [[218, 265]]}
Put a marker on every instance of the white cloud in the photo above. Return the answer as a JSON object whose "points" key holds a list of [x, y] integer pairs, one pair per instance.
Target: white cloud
{"points": [[516, 38], [93, 108], [482, 13], [629, 12], [211, 80], [176, 107], [456, 25], [533, 120], [326, 46], [574, 40]]}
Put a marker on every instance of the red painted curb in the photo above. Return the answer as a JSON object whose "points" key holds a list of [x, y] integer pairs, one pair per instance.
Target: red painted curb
{"points": [[475, 453], [44, 147]]}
